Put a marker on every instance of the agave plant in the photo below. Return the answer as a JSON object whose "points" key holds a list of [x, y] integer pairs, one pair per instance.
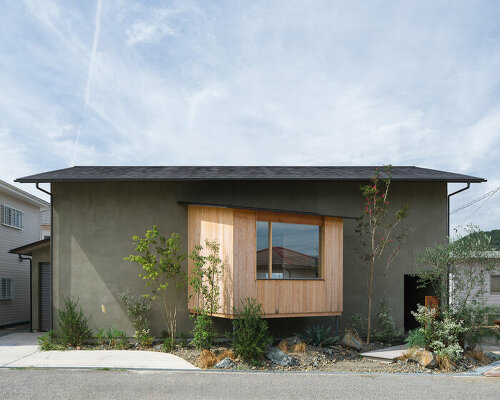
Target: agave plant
{"points": [[317, 335]]}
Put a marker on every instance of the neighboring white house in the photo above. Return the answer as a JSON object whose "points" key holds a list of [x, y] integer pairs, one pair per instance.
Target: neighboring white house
{"points": [[21, 222], [492, 295]]}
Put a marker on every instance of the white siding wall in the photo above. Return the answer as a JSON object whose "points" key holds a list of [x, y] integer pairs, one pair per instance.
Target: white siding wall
{"points": [[17, 309], [492, 299]]}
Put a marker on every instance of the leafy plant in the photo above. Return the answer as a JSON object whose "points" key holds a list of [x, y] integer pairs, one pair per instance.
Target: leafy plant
{"points": [[73, 325], [168, 345], [359, 323], [112, 338], [50, 341], [416, 338], [317, 335], [204, 280], [385, 329], [251, 337], [440, 336], [161, 261], [184, 342], [203, 331], [144, 338], [136, 311], [378, 231], [458, 271]]}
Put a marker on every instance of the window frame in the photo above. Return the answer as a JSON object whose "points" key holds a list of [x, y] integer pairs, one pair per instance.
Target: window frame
{"points": [[11, 290], [494, 293], [286, 218], [20, 216]]}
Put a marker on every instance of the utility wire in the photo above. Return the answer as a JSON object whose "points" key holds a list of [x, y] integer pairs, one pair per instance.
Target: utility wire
{"points": [[477, 209], [484, 196]]}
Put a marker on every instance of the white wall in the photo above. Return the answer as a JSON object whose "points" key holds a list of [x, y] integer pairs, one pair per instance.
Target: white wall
{"points": [[17, 309]]}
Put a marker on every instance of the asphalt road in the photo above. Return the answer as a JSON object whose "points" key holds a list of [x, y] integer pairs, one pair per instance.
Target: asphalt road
{"points": [[92, 384]]}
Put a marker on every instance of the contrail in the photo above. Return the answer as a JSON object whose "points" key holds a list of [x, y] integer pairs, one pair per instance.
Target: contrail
{"points": [[89, 77]]}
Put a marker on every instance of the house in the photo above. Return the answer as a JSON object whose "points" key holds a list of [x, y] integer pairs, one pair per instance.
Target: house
{"points": [[21, 223], [287, 236]]}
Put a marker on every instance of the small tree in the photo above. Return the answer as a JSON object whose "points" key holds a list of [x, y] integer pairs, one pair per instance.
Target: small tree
{"points": [[458, 272], [161, 262], [204, 279], [378, 230]]}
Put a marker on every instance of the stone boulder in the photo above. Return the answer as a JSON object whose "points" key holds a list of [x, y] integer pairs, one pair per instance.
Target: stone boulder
{"points": [[425, 358], [225, 363], [279, 357], [351, 341], [293, 340]]}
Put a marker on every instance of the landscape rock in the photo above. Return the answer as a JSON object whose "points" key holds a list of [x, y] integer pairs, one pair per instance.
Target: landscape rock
{"points": [[350, 341], [425, 358], [225, 363], [279, 357], [293, 340]]}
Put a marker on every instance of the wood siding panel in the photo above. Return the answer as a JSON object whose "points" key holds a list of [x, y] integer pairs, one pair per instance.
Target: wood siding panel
{"points": [[213, 224], [244, 261]]}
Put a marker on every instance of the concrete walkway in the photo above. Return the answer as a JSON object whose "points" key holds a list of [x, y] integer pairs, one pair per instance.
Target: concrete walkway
{"points": [[20, 350], [389, 354]]}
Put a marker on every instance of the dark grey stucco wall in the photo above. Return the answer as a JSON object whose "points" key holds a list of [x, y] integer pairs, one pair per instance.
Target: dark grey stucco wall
{"points": [[94, 223]]}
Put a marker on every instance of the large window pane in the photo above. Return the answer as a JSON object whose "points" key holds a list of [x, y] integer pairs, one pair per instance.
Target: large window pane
{"points": [[262, 249], [295, 250]]}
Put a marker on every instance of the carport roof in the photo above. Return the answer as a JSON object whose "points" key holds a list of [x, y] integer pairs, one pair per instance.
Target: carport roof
{"points": [[215, 173], [27, 249]]}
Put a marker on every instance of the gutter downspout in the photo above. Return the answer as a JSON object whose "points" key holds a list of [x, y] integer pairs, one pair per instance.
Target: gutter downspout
{"points": [[448, 234], [51, 251]]}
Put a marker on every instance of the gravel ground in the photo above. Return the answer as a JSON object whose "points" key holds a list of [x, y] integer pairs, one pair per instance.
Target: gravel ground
{"points": [[335, 359]]}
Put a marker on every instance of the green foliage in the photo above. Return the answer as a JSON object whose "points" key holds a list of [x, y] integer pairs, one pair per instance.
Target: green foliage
{"points": [[112, 338], [144, 338], [377, 228], [50, 341], [494, 235], [203, 331], [204, 279], [168, 345], [251, 337], [161, 261], [463, 260], [136, 311], [359, 323], [416, 338], [184, 342], [439, 335], [317, 335], [73, 325], [385, 328]]}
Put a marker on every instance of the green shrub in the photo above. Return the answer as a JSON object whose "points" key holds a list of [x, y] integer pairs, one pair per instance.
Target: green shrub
{"points": [[359, 323], [184, 340], [137, 307], [440, 335], [250, 331], [144, 338], [112, 338], [50, 341], [168, 345], [416, 338], [317, 335], [385, 328], [73, 325], [203, 331]]}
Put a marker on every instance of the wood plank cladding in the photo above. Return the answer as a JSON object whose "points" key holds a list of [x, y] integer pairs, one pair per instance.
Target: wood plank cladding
{"points": [[235, 230]]}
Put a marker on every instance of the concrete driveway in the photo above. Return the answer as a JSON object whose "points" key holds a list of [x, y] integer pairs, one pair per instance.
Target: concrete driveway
{"points": [[20, 350]]}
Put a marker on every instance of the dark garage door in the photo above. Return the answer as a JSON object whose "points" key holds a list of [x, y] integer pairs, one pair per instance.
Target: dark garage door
{"points": [[45, 297]]}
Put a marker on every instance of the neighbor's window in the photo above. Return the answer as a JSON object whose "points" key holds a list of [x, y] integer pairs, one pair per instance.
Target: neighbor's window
{"points": [[12, 217], [495, 284], [6, 288], [295, 250]]}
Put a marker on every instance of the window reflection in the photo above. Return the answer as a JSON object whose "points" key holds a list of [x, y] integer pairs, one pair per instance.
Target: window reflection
{"points": [[295, 250]]}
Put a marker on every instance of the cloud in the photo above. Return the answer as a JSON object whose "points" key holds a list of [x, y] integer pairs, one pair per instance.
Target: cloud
{"points": [[323, 83]]}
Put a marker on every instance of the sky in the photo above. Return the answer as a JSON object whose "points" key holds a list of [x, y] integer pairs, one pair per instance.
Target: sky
{"points": [[254, 83]]}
